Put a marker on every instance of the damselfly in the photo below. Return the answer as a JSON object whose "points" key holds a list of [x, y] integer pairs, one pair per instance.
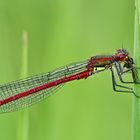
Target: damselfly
{"points": [[23, 93]]}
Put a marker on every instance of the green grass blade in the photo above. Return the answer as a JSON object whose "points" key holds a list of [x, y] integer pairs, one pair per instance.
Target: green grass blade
{"points": [[136, 101], [23, 124]]}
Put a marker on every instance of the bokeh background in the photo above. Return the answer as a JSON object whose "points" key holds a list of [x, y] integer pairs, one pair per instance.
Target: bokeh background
{"points": [[61, 32]]}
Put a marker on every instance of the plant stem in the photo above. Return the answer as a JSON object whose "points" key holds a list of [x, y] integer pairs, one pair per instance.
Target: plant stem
{"points": [[136, 101], [23, 127]]}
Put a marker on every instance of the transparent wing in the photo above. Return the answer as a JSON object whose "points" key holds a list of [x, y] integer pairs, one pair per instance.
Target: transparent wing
{"points": [[17, 87]]}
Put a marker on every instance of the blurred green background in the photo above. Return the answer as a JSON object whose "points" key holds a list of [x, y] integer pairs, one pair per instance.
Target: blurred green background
{"points": [[61, 32]]}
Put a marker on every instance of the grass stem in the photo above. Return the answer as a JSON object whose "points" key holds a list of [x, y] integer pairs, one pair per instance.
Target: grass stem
{"points": [[23, 125], [136, 101]]}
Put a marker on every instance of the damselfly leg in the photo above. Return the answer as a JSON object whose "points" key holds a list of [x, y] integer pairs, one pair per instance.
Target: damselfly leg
{"points": [[135, 76], [119, 71], [114, 84]]}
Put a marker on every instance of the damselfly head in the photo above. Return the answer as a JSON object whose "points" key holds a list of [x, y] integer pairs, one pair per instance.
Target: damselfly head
{"points": [[128, 61], [121, 55], [122, 51]]}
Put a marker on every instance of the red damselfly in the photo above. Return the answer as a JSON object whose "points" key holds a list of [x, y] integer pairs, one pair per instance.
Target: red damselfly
{"points": [[23, 93]]}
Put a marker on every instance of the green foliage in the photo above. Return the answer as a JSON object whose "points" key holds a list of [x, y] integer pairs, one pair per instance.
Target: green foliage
{"points": [[61, 32]]}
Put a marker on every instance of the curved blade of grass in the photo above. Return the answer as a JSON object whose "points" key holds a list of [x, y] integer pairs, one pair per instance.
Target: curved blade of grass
{"points": [[136, 101], [23, 124]]}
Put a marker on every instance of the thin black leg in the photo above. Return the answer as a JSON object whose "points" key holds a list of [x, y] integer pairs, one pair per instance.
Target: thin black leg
{"points": [[120, 67], [133, 70], [135, 76], [114, 84], [119, 74]]}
